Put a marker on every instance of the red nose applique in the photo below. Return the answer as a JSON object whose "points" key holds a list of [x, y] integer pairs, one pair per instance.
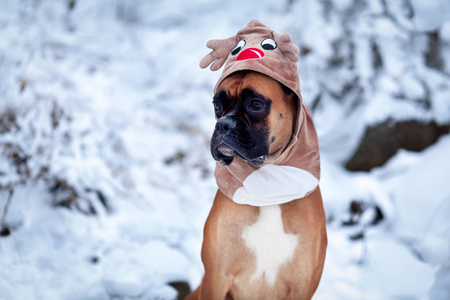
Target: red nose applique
{"points": [[250, 53]]}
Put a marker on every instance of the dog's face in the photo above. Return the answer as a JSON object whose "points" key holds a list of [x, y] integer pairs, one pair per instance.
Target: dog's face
{"points": [[255, 118]]}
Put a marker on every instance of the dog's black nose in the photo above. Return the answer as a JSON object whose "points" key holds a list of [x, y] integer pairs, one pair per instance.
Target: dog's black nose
{"points": [[224, 125]]}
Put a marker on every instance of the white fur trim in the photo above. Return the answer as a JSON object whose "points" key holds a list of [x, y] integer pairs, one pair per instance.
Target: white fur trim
{"points": [[273, 184]]}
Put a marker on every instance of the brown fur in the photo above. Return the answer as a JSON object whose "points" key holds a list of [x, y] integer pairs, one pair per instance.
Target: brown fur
{"points": [[280, 128], [228, 262]]}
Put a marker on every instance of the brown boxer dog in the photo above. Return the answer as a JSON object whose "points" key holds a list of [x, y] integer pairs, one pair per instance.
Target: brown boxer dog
{"points": [[251, 252]]}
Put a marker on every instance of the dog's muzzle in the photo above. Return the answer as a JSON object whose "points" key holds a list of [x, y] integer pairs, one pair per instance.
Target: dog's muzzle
{"points": [[232, 138]]}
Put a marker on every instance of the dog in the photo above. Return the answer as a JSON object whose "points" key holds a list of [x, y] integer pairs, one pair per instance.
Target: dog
{"points": [[259, 252]]}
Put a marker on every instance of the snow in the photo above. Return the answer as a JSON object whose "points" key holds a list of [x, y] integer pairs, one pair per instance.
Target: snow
{"points": [[431, 14], [412, 192], [109, 103], [381, 268]]}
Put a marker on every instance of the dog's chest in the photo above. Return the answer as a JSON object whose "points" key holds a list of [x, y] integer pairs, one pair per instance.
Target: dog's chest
{"points": [[270, 244]]}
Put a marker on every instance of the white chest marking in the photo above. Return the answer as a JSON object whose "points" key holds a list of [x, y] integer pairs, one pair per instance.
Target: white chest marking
{"points": [[270, 244]]}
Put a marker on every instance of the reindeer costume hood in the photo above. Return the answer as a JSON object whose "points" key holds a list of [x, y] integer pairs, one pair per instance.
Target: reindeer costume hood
{"points": [[296, 172]]}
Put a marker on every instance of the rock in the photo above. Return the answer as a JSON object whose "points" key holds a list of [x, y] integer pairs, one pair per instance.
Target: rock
{"points": [[382, 141]]}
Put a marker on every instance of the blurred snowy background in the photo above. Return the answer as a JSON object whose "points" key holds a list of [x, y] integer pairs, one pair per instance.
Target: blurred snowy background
{"points": [[105, 172]]}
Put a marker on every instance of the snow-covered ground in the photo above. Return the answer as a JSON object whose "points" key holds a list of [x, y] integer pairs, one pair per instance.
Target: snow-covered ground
{"points": [[112, 116]]}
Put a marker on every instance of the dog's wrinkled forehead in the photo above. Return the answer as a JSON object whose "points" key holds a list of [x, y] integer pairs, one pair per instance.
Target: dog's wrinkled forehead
{"points": [[249, 84]]}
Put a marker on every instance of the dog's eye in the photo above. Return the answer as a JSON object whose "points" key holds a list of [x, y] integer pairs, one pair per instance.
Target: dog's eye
{"points": [[217, 108], [256, 105], [238, 48], [268, 44]]}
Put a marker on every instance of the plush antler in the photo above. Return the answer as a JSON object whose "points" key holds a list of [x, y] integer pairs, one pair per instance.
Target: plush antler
{"points": [[221, 49], [286, 46]]}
